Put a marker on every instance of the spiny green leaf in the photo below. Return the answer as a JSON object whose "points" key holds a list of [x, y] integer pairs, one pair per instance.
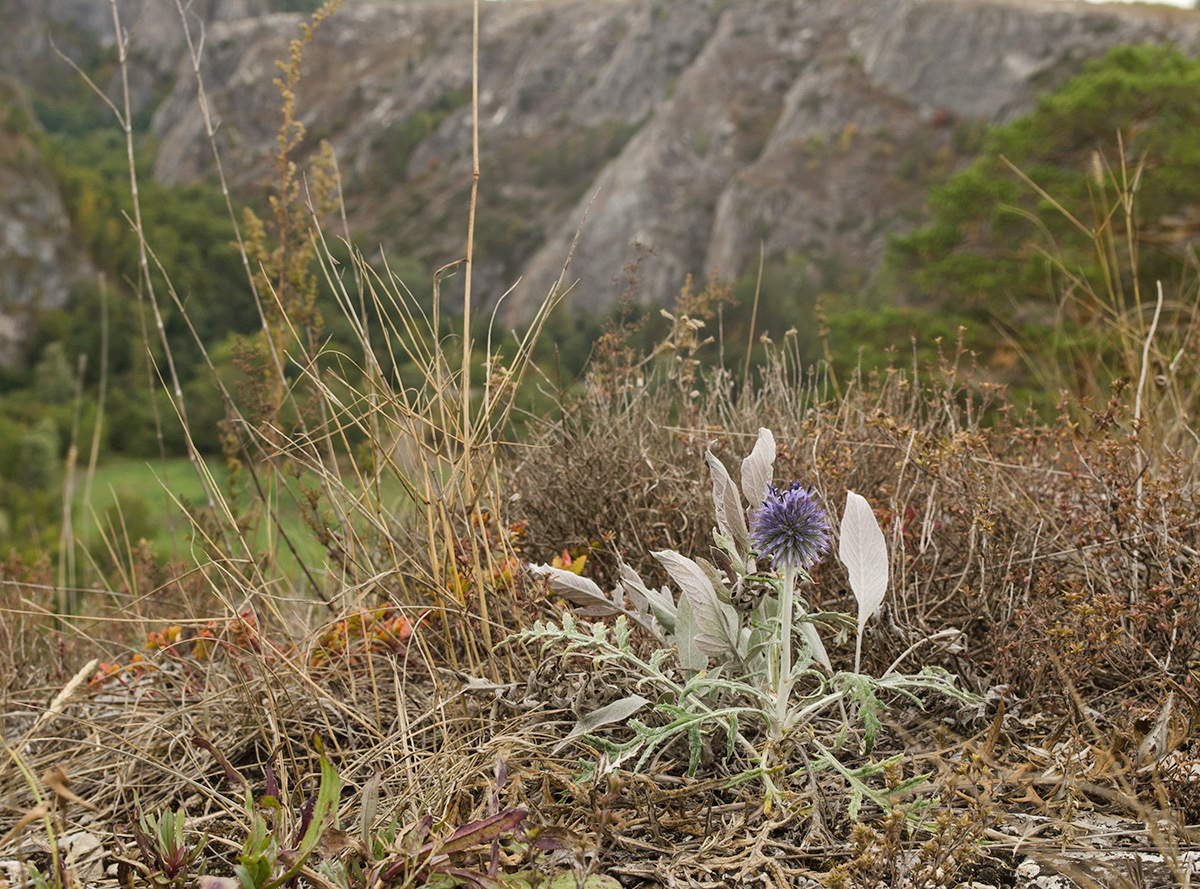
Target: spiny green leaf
{"points": [[695, 747], [908, 785]]}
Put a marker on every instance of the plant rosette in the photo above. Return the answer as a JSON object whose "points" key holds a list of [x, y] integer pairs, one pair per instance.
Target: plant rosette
{"points": [[741, 645]]}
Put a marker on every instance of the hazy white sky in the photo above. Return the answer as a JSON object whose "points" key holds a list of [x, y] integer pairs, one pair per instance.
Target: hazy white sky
{"points": [[1186, 4]]}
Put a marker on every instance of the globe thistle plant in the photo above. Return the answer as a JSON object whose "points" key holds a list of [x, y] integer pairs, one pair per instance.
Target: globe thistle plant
{"points": [[745, 618], [790, 529]]}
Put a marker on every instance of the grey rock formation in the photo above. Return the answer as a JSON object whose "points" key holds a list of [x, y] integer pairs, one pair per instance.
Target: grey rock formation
{"points": [[39, 258], [809, 126], [868, 87], [34, 32], [153, 27]]}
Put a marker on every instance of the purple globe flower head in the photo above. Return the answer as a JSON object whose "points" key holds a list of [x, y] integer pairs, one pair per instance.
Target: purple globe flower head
{"points": [[790, 527]]}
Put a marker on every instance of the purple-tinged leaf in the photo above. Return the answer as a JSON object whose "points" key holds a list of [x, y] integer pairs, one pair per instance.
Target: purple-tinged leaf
{"points": [[328, 793], [306, 817], [144, 843], [477, 879], [479, 832], [419, 831], [370, 804], [232, 775], [393, 872]]}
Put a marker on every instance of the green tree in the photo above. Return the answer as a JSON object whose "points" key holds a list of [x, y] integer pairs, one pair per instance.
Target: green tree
{"points": [[54, 381], [37, 460], [997, 242]]}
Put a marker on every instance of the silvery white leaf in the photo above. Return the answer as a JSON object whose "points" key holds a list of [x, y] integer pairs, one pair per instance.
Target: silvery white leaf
{"points": [[863, 551], [597, 610], [718, 622], [660, 604], [758, 470], [575, 589], [662, 607], [745, 640], [635, 595], [1156, 745], [718, 580], [691, 658], [710, 644], [736, 562], [617, 711], [731, 516], [816, 646], [632, 584]]}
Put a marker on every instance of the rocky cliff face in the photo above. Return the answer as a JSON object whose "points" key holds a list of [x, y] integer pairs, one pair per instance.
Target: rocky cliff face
{"points": [[34, 32], [153, 26], [564, 85], [863, 103], [39, 258], [698, 128]]}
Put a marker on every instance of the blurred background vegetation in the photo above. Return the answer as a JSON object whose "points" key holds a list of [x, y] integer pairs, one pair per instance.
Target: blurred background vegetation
{"points": [[1043, 255]]}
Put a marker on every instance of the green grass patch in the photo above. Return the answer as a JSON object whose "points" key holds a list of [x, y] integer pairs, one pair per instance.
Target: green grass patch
{"points": [[136, 499], [132, 500]]}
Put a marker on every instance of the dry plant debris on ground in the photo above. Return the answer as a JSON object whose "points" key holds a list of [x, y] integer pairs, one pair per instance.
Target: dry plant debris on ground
{"points": [[1073, 578]]}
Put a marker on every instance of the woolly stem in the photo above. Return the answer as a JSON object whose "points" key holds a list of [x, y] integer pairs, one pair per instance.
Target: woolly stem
{"points": [[783, 688]]}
